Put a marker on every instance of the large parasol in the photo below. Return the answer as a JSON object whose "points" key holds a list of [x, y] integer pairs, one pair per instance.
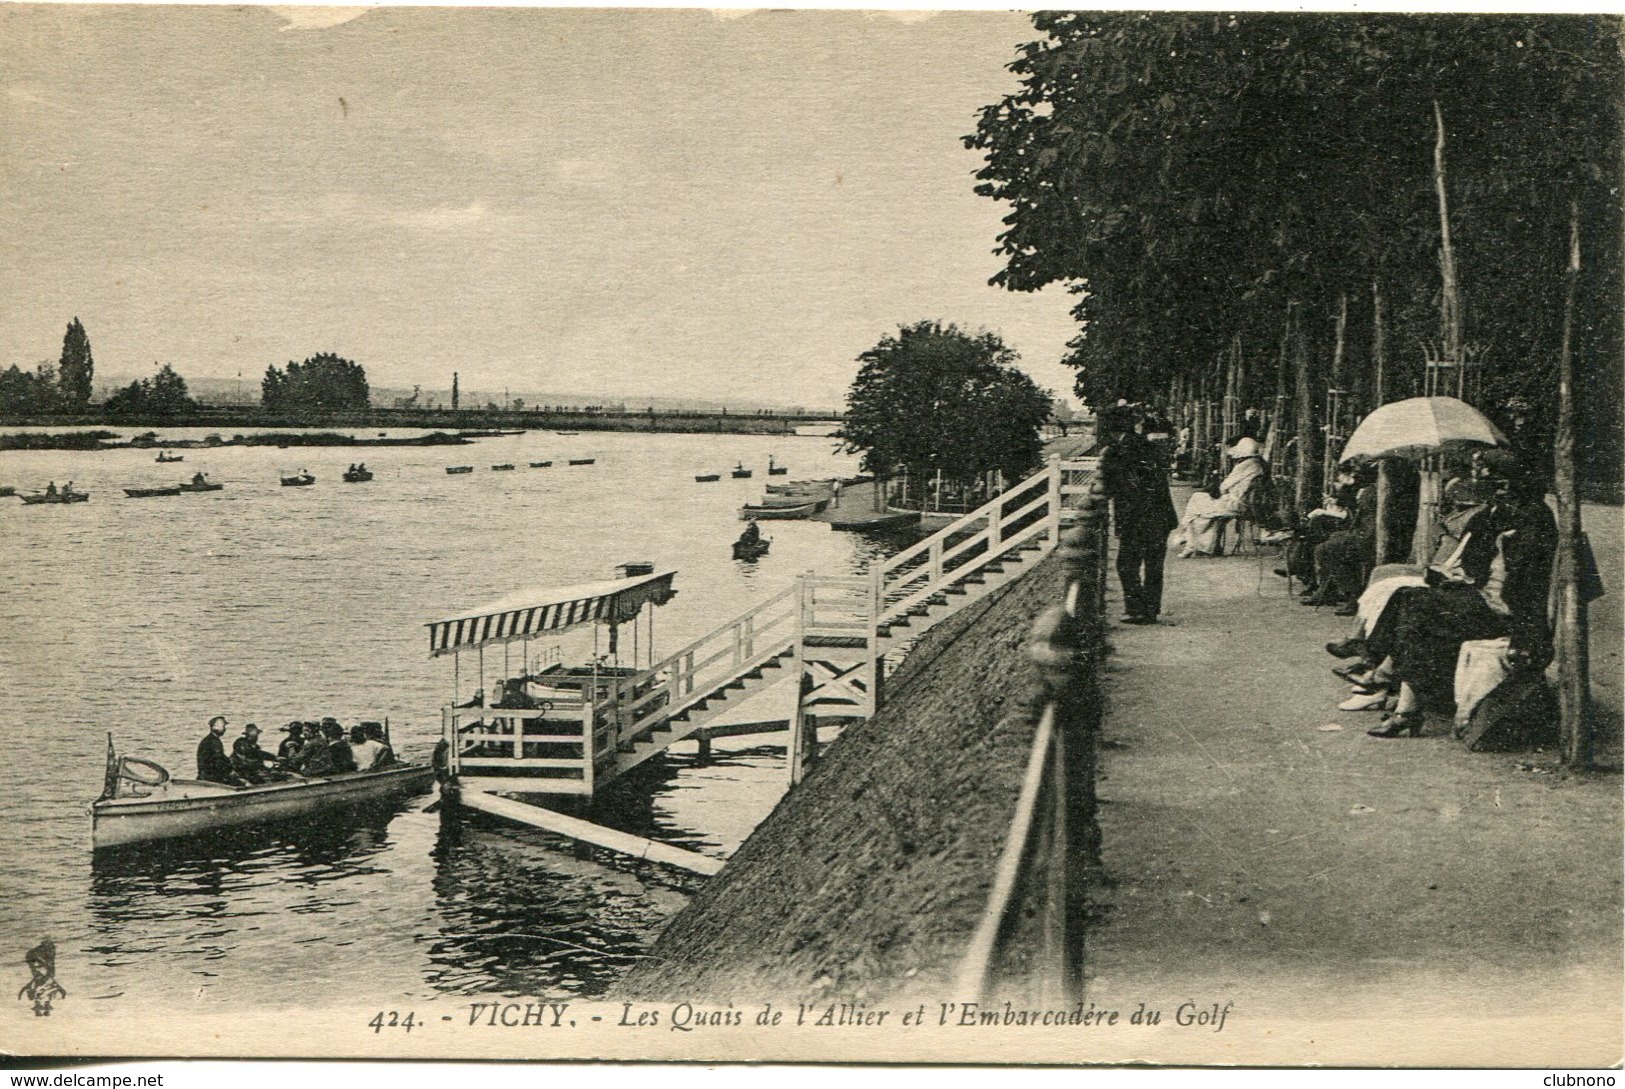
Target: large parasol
{"points": [[1418, 427]]}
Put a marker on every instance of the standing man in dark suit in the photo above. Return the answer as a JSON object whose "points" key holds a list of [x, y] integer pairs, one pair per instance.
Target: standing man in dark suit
{"points": [[1136, 481]]}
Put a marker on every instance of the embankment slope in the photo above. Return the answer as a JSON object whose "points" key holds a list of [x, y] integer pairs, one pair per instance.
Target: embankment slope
{"points": [[868, 878]]}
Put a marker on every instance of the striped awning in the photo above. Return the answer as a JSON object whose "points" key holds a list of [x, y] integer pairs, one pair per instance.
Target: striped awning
{"points": [[535, 612]]}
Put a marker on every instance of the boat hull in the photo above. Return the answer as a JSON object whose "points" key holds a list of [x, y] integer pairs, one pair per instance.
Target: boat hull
{"points": [[185, 808], [71, 497], [777, 513], [149, 493], [202, 487], [744, 551]]}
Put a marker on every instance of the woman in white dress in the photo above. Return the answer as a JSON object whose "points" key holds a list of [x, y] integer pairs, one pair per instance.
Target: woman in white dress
{"points": [[1199, 530]]}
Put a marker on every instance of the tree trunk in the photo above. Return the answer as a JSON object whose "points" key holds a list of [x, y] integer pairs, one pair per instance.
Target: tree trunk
{"points": [[1573, 653], [1303, 484], [1334, 396]]}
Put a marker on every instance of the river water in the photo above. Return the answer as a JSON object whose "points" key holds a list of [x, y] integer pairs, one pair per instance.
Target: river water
{"points": [[144, 617]]}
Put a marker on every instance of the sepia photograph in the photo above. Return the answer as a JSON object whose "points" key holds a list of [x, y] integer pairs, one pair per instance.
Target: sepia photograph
{"points": [[1072, 537]]}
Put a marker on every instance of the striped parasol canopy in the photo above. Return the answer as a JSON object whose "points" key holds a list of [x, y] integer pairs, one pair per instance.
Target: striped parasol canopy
{"points": [[537, 611], [1418, 427]]}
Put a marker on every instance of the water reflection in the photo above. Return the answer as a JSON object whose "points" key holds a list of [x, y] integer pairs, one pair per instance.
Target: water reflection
{"points": [[577, 927]]}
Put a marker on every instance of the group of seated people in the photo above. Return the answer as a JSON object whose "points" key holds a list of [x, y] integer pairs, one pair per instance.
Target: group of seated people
{"points": [[311, 750], [1488, 587]]}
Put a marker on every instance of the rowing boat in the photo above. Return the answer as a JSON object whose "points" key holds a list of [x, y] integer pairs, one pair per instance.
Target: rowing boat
{"points": [[540, 464], [303, 480], [582, 461], [453, 470], [706, 478], [806, 510], [175, 808], [63, 496], [201, 485], [507, 467], [149, 493]]}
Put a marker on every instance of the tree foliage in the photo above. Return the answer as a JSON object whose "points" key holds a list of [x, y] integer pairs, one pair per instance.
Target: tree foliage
{"points": [[324, 381], [76, 370], [24, 393], [1187, 175], [933, 397], [164, 394]]}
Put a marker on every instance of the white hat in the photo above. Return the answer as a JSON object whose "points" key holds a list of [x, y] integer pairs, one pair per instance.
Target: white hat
{"points": [[1245, 448]]}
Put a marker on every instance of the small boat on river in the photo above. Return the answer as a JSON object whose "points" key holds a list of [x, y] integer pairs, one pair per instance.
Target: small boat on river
{"points": [[150, 493], [66, 495], [707, 478], [201, 483], [582, 461], [540, 464], [357, 474], [7, 491], [776, 470], [302, 480], [141, 803], [566, 432], [166, 458], [740, 472], [506, 468], [454, 470], [752, 550], [780, 513]]}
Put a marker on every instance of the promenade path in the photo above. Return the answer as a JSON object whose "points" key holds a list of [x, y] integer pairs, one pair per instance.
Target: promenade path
{"points": [[1368, 900]]}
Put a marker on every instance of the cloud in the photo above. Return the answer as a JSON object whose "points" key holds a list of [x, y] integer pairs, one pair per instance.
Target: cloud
{"points": [[312, 17]]}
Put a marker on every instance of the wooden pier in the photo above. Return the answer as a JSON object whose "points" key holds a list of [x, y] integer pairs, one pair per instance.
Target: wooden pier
{"points": [[837, 636]]}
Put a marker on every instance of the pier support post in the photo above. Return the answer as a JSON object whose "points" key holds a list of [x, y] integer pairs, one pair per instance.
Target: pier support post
{"points": [[703, 737]]}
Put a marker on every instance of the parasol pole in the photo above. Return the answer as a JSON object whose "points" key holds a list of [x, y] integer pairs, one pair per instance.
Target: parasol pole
{"points": [[1572, 651]]}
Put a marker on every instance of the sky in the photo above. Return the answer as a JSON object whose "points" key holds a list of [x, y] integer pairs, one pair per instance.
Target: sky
{"points": [[667, 202]]}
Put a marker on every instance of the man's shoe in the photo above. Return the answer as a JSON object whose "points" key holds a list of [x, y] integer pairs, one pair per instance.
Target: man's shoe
{"points": [[1138, 620], [1348, 608], [1283, 572]]}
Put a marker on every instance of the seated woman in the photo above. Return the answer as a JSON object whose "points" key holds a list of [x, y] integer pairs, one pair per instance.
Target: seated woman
{"points": [[1207, 511], [1498, 587]]}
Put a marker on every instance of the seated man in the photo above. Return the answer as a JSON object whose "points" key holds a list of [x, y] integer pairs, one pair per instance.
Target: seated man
{"points": [[212, 763], [340, 756], [248, 760], [364, 751], [375, 731], [291, 744]]}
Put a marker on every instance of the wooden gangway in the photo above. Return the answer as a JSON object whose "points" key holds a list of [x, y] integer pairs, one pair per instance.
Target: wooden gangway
{"points": [[836, 635]]}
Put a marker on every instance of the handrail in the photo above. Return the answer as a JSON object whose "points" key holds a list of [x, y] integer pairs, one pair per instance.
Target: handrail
{"points": [[961, 523], [1053, 839]]}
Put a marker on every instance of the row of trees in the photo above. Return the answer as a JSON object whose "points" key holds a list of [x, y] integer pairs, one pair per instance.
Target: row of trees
{"points": [[1193, 177], [49, 389]]}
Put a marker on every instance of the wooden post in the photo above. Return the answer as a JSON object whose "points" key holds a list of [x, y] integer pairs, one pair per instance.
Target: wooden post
{"points": [[1573, 653]]}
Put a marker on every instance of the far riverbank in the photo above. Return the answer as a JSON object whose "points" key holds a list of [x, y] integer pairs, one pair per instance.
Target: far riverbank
{"points": [[221, 417]]}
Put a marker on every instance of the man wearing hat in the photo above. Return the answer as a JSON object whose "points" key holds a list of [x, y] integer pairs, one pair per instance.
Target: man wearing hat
{"points": [[1134, 477], [248, 760], [213, 766]]}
